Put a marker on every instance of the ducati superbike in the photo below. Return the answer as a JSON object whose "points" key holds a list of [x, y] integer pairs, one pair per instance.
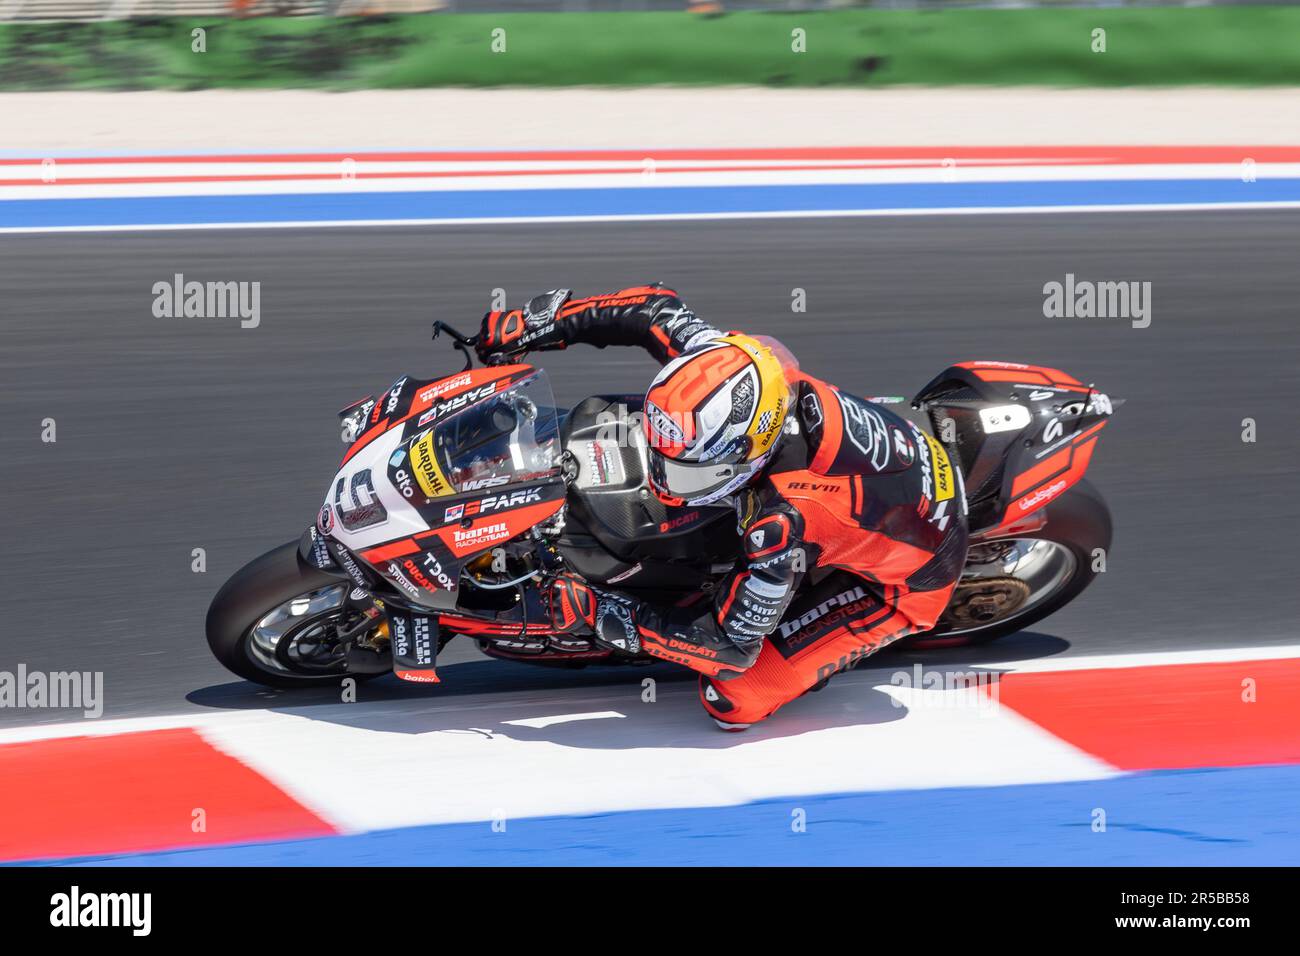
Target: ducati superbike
{"points": [[459, 497]]}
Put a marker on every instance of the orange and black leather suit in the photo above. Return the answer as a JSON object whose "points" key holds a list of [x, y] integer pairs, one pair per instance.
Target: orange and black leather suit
{"points": [[854, 538]]}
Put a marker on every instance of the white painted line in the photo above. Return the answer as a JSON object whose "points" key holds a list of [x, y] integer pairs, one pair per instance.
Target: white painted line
{"points": [[1153, 659], [539, 722], [655, 217], [366, 182]]}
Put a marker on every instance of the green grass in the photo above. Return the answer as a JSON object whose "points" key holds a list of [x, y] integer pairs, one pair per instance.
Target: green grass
{"points": [[864, 48]]}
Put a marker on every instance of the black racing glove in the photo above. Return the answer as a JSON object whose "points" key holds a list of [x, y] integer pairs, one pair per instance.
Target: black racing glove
{"points": [[508, 335], [578, 608]]}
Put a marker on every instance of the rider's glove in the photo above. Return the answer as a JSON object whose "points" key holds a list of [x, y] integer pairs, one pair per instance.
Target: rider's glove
{"points": [[572, 604], [510, 334], [578, 608]]}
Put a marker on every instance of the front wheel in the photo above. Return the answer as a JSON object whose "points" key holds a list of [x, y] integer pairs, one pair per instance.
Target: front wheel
{"points": [[1009, 583], [277, 622]]}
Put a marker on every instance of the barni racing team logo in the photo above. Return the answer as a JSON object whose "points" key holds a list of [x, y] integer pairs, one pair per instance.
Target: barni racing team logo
{"points": [[478, 537], [843, 599]]}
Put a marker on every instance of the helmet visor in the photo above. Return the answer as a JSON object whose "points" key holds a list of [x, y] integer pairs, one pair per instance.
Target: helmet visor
{"points": [[698, 483]]}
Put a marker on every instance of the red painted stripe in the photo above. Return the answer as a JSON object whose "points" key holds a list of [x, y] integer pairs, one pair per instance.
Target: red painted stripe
{"points": [[1096, 154], [1168, 717], [83, 796]]}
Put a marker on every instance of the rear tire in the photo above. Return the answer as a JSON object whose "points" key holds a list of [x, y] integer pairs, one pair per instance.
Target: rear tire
{"points": [[1078, 521], [254, 591]]}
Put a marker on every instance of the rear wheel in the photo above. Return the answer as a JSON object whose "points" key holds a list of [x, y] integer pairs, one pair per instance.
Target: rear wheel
{"points": [[1009, 583], [277, 622]]}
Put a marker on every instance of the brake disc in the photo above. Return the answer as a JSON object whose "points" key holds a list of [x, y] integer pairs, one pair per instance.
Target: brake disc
{"points": [[985, 601]]}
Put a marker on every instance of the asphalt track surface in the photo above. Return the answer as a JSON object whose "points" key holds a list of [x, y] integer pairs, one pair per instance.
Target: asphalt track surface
{"points": [[175, 434]]}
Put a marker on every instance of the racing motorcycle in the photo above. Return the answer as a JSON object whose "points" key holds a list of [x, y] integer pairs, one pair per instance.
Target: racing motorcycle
{"points": [[459, 497]]}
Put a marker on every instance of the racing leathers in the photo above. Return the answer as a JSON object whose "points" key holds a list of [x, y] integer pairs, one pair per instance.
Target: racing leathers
{"points": [[854, 537]]}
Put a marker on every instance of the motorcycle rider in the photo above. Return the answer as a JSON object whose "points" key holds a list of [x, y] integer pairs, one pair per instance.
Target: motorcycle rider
{"points": [[852, 520]]}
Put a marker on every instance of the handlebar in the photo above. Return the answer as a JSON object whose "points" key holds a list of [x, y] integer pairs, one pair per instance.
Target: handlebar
{"points": [[465, 343]]}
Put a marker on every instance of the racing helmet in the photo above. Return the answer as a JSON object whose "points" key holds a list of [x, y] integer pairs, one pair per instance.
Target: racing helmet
{"points": [[713, 417]]}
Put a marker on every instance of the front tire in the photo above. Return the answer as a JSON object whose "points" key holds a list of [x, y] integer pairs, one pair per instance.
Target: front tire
{"points": [[271, 622], [1078, 523]]}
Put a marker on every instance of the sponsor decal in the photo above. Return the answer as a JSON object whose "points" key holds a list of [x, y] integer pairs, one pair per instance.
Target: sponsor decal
{"points": [[844, 598], [742, 399], [698, 650], [848, 660], [944, 483], [475, 484], [903, 449], [721, 449], [427, 470], [680, 521], [940, 518], [325, 519], [1042, 495], [398, 578], [477, 537], [766, 589], [442, 388], [619, 617], [769, 423], [866, 429], [401, 636], [812, 411], [423, 640], [395, 395], [603, 463], [402, 478], [624, 575], [431, 576], [827, 487], [534, 334], [512, 499], [456, 404], [434, 567], [662, 424], [352, 422], [318, 553], [354, 571]]}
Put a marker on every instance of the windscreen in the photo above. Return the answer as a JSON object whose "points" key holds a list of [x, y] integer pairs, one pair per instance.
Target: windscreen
{"points": [[512, 436]]}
